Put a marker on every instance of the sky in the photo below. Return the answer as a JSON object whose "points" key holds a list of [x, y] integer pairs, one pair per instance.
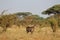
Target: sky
{"points": [[33, 6]]}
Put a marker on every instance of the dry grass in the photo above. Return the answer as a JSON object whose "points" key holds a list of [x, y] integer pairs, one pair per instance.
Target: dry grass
{"points": [[16, 33]]}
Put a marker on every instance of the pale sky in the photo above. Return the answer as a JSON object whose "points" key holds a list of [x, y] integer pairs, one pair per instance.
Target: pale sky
{"points": [[33, 6]]}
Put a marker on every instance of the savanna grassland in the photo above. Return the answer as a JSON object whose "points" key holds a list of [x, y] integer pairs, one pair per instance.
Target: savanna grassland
{"points": [[13, 26], [16, 33]]}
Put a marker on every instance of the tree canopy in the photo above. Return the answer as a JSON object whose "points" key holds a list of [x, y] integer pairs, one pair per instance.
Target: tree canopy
{"points": [[52, 10]]}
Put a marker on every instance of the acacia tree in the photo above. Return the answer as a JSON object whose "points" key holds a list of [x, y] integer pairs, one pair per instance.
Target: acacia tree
{"points": [[56, 11]]}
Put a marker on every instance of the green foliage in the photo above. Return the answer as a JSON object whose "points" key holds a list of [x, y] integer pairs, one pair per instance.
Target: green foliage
{"points": [[23, 13], [53, 10]]}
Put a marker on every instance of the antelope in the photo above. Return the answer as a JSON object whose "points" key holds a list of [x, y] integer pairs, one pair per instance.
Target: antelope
{"points": [[30, 28]]}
